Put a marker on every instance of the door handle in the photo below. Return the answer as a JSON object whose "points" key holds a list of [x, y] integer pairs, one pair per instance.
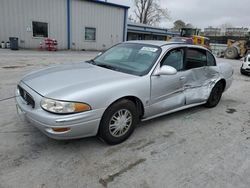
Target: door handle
{"points": [[182, 78]]}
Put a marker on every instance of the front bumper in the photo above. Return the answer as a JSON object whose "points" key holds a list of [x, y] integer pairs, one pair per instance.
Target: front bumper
{"points": [[245, 70], [81, 125]]}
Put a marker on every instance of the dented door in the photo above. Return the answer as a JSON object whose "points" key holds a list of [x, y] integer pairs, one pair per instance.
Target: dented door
{"points": [[196, 86], [167, 90], [166, 93], [201, 73]]}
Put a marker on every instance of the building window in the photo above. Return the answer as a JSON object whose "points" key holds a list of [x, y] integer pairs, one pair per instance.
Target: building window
{"points": [[90, 34], [40, 29]]}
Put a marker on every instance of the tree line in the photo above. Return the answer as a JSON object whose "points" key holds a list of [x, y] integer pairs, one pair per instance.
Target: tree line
{"points": [[151, 13]]}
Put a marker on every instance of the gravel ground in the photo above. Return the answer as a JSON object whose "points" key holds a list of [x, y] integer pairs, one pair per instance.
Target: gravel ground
{"points": [[198, 147]]}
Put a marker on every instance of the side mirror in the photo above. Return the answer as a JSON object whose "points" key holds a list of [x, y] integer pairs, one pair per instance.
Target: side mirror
{"points": [[166, 70]]}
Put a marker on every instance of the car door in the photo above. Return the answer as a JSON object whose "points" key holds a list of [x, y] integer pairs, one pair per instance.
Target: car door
{"points": [[196, 80], [212, 72], [167, 90]]}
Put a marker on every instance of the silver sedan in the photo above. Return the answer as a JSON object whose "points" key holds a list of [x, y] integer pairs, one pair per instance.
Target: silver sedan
{"points": [[131, 82]]}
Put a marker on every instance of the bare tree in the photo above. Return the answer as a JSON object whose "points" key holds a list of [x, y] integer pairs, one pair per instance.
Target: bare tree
{"points": [[149, 12]]}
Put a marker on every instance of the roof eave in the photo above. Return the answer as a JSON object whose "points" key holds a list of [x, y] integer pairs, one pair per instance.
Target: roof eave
{"points": [[108, 4]]}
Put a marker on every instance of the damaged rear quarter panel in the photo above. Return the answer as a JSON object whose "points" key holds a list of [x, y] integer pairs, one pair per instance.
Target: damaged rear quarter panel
{"points": [[199, 83]]}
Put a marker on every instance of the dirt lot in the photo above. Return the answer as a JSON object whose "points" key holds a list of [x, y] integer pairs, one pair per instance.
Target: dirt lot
{"points": [[198, 147]]}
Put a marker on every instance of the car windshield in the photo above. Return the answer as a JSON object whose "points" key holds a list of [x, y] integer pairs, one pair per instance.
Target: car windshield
{"points": [[131, 58]]}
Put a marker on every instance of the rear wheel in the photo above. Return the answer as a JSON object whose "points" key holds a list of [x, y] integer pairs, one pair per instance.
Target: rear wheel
{"points": [[215, 95], [118, 122], [231, 53]]}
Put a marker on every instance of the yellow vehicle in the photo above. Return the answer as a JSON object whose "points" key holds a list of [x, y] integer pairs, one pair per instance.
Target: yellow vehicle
{"points": [[194, 34], [237, 48]]}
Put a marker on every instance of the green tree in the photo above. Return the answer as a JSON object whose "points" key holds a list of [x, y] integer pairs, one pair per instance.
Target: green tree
{"points": [[189, 25], [178, 24]]}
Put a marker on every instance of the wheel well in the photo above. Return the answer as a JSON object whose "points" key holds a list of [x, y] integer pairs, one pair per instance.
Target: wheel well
{"points": [[223, 81], [138, 103]]}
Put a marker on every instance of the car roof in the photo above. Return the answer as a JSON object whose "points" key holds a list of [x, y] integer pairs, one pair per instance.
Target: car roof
{"points": [[161, 43], [153, 42]]}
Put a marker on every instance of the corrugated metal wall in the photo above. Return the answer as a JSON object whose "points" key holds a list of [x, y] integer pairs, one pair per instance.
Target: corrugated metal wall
{"points": [[16, 18], [108, 21]]}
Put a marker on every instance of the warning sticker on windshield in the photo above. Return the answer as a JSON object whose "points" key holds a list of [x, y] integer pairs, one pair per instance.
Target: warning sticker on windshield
{"points": [[149, 49]]}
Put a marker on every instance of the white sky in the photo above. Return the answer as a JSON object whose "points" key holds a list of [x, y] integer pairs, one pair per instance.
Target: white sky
{"points": [[202, 13]]}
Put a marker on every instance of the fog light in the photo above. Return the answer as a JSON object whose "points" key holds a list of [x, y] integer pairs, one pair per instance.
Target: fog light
{"points": [[61, 129]]}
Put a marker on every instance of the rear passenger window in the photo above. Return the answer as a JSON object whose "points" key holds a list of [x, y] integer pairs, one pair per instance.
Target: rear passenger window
{"points": [[195, 58], [210, 60]]}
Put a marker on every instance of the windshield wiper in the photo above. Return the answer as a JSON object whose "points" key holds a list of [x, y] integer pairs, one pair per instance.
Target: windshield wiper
{"points": [[101, 65], [106, 66], [91, 62]]}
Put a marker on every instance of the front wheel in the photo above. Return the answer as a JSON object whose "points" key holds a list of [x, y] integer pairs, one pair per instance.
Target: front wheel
{"points": [[242, 71], [215, 95], [118, 122]]}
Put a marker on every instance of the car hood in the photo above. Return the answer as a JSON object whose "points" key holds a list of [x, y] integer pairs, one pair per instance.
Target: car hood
{"points": [[69, 78]]}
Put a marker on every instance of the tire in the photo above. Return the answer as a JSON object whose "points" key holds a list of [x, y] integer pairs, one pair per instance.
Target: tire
{"points": [[231, 53], [118, 122], [215, 95], [242, 72]]}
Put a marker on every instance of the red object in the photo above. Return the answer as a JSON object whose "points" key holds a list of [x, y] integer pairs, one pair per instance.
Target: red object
{"points": [[50, 44]]}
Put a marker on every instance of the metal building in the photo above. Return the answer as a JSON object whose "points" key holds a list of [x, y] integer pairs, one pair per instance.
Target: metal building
{"points": [[138, 31], [75, 24]]}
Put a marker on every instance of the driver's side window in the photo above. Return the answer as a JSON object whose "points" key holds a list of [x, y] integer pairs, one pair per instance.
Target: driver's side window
{"points": [[174, 58]]}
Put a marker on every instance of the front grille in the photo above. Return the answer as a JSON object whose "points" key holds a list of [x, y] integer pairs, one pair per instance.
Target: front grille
{"points": [[27, 97]]}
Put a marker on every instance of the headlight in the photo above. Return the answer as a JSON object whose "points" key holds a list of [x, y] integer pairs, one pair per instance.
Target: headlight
{"points": [[63, 107]]}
